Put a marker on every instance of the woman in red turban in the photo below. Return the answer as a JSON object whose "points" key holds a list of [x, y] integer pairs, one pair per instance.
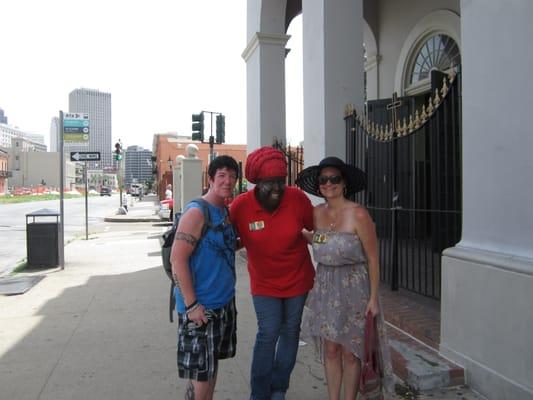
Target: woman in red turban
{"points": [[269, 220]]}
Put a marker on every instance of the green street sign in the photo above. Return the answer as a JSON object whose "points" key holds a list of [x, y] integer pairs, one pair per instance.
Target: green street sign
{"points": [[76, 127]]}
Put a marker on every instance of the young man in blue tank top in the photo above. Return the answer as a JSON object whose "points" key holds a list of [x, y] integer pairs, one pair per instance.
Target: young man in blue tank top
{"points": [[203, 267]]}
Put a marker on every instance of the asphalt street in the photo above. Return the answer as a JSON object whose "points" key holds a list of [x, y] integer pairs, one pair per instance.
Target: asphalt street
{"points": [[13, 223]]}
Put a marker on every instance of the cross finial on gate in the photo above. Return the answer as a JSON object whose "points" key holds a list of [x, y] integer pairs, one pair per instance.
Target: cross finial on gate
{"points": [[392, 108]]}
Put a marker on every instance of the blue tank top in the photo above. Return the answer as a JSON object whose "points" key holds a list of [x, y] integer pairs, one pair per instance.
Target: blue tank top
{"points": [[212, 263]]}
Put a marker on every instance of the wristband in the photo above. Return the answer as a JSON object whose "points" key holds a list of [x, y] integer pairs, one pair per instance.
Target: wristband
{"points": [[192, 307], [195, 302]]}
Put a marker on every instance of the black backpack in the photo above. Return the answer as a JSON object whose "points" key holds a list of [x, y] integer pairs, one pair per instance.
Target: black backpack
{"points": [[167, 239]]}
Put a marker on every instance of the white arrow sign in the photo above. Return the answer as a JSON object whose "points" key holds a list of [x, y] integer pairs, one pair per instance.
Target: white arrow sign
{"points": [[85, 156]]}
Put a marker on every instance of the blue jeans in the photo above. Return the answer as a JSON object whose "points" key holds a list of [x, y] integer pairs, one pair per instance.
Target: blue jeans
{"points": [[276, 343]]}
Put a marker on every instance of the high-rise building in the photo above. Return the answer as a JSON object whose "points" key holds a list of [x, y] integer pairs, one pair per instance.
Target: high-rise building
{"points": [[8, 132], [98, 105], [54, 134], [138, 168], [3, 118], [34, 137]]}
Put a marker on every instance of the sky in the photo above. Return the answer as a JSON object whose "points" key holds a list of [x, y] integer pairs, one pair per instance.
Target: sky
{"points": [[161, 61]]}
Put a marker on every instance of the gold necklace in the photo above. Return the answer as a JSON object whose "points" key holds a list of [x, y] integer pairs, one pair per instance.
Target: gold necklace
{"points": [[333, 218]]}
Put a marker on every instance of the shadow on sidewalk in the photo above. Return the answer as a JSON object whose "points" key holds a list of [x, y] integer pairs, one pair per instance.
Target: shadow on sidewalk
{"points": [[106, 335]]}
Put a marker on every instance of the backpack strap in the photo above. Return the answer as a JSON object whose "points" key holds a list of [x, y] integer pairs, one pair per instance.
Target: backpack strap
{"points": [[207, 215], [207, 225], [172, 302]]}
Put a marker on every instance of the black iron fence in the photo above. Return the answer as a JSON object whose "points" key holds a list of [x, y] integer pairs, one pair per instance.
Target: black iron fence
{"points": [[295, 160], [413, 161]]}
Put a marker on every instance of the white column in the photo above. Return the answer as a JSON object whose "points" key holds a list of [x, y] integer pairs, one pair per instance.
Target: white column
{"points": [[265, 85], [487, 279], [333, 73], [190, 180]]}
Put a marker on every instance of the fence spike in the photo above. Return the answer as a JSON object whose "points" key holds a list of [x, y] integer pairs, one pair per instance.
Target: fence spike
{"points": [[410, 125], [444, 88], [436, 100], [423, 115], [417, 120], [452, 75], [430, 107], [405, 127]]}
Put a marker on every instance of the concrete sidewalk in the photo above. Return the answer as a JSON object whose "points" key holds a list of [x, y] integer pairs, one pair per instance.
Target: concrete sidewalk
{"points": [[99, 330], [144, 210]]}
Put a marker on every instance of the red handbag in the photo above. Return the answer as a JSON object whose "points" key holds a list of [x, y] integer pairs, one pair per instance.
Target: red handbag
{"points": [[371, 368]]}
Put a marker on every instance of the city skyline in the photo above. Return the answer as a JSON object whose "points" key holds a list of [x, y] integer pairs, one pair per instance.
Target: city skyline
{"points": [[161, 64], [157, 62]]}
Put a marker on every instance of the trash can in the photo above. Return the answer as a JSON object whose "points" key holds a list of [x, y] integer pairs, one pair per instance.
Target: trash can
{"points": [[42, 238]]}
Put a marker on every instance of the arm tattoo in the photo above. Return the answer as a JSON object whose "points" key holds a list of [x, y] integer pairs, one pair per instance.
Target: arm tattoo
{"points": [[189, 392], [186, 237]]}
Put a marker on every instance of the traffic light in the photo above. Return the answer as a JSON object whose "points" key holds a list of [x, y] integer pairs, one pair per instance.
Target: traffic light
{"points": [[198, 127], [118, 151], [221, 126]]}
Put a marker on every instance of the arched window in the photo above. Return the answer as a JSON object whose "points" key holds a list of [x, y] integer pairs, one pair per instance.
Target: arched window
{"points": [[439, 52]]}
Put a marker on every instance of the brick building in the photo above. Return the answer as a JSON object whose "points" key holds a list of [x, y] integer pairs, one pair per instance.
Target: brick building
{"points": [[167, 146]]}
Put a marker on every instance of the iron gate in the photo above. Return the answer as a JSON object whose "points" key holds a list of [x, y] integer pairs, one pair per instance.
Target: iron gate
{"points": [[412, 155], [295, 159]]}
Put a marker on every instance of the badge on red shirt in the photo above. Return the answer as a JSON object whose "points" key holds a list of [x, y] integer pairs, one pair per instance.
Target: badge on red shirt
{"points": [[256, 225]]}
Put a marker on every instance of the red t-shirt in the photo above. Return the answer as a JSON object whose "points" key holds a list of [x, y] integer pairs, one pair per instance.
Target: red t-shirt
{"points": [[278, 258]]}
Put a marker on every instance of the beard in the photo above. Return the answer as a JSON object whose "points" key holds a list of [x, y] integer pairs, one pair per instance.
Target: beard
{"points": [[269, 200]]}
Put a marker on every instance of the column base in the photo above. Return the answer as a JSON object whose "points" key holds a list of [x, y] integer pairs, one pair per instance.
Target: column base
{"points": [[487, 320]]}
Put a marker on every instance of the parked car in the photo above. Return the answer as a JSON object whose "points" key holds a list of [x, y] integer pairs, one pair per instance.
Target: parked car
{"points": [[105, 191]]}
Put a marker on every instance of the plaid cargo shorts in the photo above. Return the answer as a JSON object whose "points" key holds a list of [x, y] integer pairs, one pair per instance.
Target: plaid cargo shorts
{"points": [[200, 348]]}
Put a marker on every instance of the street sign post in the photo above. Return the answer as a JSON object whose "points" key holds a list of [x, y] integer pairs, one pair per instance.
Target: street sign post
{"points": [[84, 156], [76, 127]]}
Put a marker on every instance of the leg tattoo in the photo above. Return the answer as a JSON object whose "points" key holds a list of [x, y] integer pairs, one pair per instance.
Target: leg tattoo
{"points": [[189, 392]]}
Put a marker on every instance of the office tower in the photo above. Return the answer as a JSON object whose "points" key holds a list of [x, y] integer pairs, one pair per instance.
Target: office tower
{"points": [[138, 168], [32, 141], [98, 105], [3, 118], [54, 135], [34, 137]]}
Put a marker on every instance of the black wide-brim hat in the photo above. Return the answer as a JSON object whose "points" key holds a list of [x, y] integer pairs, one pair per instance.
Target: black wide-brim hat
{"points": [[354, 178]]}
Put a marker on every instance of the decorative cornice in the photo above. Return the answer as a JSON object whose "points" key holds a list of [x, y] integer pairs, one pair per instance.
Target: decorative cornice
{"points": [[263, 38]]}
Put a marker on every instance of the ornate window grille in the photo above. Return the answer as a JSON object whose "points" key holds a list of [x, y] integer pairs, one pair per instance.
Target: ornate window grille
{"points": [[438, 52]]}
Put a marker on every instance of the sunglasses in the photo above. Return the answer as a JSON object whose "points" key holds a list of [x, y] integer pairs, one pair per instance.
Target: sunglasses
{"points": [[334, 179]]}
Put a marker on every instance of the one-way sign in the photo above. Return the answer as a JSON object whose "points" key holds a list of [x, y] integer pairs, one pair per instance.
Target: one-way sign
{"points": [[84, 156]]}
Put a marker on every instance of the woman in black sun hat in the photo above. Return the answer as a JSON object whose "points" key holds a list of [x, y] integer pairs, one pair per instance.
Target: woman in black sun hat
{"points": [[347, 277]]}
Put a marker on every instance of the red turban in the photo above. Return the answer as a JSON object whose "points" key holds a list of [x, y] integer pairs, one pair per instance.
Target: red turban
{"points": [[264, 163]]}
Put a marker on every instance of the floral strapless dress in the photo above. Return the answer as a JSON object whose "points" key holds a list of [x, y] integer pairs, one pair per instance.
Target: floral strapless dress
{"points": [[335, 308]]}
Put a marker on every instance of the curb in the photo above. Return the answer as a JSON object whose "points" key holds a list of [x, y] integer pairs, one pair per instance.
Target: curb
{"points": [[125, 218]]}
